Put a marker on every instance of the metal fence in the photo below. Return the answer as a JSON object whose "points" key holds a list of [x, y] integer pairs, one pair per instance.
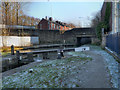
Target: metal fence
{"points": [[113, 42]]}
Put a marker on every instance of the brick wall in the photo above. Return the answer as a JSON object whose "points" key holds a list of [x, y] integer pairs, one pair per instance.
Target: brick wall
{"points": [[43, 25]]}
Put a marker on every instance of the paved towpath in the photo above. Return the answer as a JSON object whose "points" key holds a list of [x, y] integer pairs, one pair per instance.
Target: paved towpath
{"points": [[94, 74]]}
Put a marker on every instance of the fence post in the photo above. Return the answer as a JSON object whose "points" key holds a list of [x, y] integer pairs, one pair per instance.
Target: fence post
{"points": [[119, 42], [12, 50]]}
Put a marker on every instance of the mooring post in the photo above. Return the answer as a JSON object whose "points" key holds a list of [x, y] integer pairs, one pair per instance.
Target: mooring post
{"points": [[30, 57], [61, 50], [12, 49], [45, 55], [61, 53]]}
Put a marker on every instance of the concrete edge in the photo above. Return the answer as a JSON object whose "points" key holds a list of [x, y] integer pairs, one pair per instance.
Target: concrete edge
{"points": [[117, 58], [19, 69]]}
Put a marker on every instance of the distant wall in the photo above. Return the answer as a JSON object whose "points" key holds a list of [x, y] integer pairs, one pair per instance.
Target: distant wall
{"points": [[68, 37], [18, 40], [53, 36], [1, 42]]}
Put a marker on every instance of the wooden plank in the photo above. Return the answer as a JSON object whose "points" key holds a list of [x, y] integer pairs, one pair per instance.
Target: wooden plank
{"points": [[46, 51], [47, 46]]}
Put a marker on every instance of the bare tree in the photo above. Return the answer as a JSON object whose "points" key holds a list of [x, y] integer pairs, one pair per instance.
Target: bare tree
{"points": [[5, 12], [72, 25], [96, 19], [11, 12]]}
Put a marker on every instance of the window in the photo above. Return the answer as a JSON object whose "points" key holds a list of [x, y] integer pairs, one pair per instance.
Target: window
{"points": [[48, 25], [40, 26], [51, 26]]}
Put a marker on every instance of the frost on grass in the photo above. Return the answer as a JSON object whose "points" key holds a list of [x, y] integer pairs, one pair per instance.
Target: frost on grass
{"points": [[80, 54], [47, 74]]}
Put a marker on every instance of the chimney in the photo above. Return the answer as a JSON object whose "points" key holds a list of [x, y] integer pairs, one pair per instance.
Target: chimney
{"points": [[56, 21], [50, 18], [46, 17]]}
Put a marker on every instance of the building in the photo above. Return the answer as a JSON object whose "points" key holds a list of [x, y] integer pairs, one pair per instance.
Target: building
{"points": [[103, 12], [49, 24], [114, 19], [113, 37]]}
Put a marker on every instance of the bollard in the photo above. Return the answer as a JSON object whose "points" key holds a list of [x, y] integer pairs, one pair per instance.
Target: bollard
{"points": [[59, 55], [61, 52], [30, 57], [12, 50]]}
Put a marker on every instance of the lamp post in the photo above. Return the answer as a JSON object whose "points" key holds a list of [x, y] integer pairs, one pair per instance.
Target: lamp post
{"points": [[79, 21], [51, 7], [83, 23]]}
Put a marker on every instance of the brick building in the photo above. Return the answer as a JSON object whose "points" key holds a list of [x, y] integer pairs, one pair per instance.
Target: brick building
{"points": [[49, 24], [112, 40]]}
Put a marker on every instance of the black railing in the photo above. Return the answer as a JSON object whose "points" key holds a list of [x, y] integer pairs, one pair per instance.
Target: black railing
{"points": [[113, 42]]}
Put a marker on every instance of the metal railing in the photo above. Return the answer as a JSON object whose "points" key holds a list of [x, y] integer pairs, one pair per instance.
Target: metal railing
{"points": [[113, 42]]}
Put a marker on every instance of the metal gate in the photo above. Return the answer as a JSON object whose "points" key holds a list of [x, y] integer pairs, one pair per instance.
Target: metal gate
{"points": [[113, 42]]}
